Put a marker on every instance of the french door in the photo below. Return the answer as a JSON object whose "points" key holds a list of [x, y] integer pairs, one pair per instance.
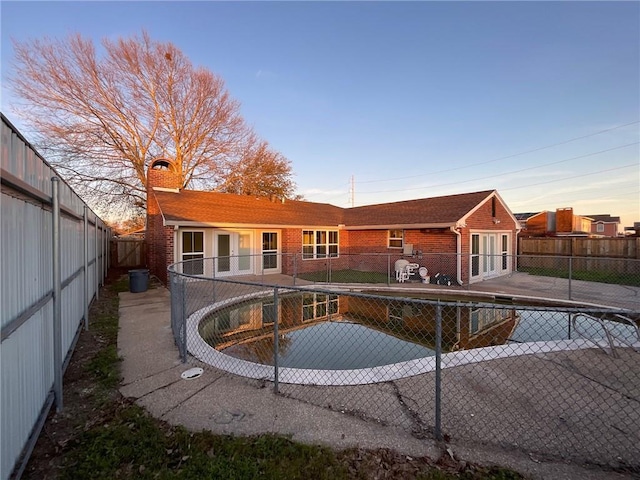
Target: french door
{"points": [[489, 255], [490, 249], [233, 253]]}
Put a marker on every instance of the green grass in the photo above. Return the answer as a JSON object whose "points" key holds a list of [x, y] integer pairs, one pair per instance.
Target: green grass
{"points": [[124, 441], [345, 276], [587, 275], [133, 446]]}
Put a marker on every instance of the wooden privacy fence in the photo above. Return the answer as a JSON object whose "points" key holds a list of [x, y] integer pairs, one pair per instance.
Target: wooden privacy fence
{"points": [[581, 247], [613, 255], [128, 252]]}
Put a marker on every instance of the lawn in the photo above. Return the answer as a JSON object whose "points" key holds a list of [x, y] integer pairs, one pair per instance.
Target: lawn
{"points": [[587, 275]]}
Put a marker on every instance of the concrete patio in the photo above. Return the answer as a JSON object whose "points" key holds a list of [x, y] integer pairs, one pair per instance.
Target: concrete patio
{"points": [[540, 423]]}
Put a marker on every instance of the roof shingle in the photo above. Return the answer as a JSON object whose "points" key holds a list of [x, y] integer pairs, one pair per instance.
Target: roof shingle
{"points": [[224, 208]]}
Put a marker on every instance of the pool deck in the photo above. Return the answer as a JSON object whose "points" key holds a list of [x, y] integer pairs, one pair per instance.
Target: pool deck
{"points": [[344, 417]]}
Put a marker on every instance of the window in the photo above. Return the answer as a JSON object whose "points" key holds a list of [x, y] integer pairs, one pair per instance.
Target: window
{"points": [[483, 318], [318, 305], [269, 250], [193, 250], [475, 255], [319, 244], [269, 313], [600, 227], [396, 238], [505, 252]]}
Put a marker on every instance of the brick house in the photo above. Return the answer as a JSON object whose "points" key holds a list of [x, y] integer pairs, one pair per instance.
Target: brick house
{"points": [[260, 235]]}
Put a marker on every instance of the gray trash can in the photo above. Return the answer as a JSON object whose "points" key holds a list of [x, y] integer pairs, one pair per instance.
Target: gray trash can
{"points": [[138, 280]]}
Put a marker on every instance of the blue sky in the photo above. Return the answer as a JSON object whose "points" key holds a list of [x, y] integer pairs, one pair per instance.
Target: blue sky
{"points": [[539, 100]]}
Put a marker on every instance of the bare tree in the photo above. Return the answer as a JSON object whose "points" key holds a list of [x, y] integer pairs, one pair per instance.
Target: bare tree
{"points": [[102, 118], [258, 170]]}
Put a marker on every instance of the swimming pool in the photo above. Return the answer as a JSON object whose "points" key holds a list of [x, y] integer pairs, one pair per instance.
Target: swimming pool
{"points": [[338, 345], [322, 331]]}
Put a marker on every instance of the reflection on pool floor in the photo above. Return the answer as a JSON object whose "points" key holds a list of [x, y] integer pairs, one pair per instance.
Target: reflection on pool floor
{"points": [[332, 346], [340, 332]]}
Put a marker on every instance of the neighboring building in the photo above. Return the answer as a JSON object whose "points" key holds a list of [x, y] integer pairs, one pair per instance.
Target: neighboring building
{"points": [[562, 222], [633, 231], [523, 217], [605, 225], [252, 235]]}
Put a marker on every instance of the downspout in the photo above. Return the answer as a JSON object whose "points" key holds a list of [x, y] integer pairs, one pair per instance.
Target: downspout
{"points": [[454, 229]]}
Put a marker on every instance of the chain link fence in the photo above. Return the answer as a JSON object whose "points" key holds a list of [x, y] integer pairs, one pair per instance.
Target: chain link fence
{"points": [[552, 378]]}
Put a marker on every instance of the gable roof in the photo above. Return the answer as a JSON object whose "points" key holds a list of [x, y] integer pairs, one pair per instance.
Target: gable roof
{"points": [[190, 207], [440, 212], [522, 217], [605, 218]]}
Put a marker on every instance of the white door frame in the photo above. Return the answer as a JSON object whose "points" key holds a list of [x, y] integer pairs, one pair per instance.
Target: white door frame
{"points": [[489, 257], [232, 255]]}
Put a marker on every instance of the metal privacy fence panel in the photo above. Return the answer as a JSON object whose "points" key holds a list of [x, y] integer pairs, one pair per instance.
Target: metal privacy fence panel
{"points": [[45, 291], [554, 378]]}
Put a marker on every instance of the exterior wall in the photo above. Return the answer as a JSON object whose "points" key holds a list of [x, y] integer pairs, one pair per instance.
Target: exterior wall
{"points": [[487, 219], [538, 225], [158, 238], [159, 242], [292, 260], [581, 224], [610, 229]]}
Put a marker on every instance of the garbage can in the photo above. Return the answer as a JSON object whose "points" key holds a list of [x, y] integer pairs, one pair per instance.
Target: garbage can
{"points": [[138, 280]]}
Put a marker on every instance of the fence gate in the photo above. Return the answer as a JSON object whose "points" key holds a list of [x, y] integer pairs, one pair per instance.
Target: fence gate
{"points": [[128, 252]]}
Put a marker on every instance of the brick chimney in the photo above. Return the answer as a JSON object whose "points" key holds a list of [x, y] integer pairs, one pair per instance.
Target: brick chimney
{"points": [[564, 220], [162, 173]]}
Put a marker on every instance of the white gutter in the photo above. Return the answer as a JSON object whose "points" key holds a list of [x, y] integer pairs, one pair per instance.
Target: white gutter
{"points": [[398, 226], [458, 254]]}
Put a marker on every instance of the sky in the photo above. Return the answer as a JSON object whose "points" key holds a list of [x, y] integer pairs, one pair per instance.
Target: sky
{"points": [[375, 102]]}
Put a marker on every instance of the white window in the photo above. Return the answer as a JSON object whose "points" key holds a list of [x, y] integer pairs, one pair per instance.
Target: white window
{"points": [[269, 313], [505, 252], [318, 305], [475, 255], [269, 250], [396, 238], [600, 227], [482, 318], [319, 243], [193, 252]]}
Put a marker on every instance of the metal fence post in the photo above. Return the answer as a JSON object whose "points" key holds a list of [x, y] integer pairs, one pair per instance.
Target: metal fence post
{"points": [[85, 253], [57, 291], [95, 264], [275, 340], [183, 320], [570, 274], [388, 269], [295, 268], [438, 393]]}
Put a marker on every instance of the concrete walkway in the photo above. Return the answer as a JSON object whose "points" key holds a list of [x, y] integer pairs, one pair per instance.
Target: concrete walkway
{"points": [[225, 404]]}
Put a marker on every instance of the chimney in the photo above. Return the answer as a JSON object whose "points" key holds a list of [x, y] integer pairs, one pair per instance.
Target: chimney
{"points": [[163, 173], [564, 220]]}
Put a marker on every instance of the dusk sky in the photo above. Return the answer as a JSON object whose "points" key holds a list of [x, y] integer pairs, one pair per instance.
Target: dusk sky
{"points": [[539, 100]]}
